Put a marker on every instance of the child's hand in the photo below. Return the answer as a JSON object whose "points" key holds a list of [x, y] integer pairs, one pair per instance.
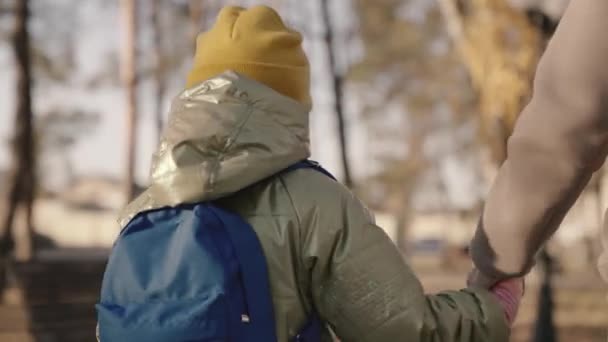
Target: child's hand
{"points": [[509, 294]]}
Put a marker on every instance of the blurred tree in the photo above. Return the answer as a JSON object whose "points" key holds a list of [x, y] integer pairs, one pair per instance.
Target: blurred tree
{"points": [[54, 39], [45, 52], [196, 20], [542, 21], [6, 26], [337, 81], [544, 329], [172, 19], [57, 131], [5, 9], [398, 179], [54, 65], [184, 22], [407, 79], [22, 179], [169, 22], [500, 47], [160, 70], [129, 75]]}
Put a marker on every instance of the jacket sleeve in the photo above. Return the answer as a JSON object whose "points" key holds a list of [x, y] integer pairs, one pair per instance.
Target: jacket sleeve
{"points": [[361, 285], [559, 141]]}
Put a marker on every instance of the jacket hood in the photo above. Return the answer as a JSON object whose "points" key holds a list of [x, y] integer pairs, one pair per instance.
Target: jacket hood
{"points": [[223, 135]]}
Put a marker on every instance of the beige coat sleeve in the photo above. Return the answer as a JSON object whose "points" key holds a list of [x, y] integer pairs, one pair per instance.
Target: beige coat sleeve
{"points": [[558, 142], [361, 285]]}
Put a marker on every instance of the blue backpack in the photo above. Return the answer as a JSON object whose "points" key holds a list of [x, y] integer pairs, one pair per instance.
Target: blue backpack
{"points": [[195, 272]]}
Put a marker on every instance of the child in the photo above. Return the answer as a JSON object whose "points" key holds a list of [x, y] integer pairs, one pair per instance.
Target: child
{"points": [[243, 119]]}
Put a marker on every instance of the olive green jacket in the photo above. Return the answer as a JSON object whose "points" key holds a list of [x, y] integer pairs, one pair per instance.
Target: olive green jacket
{"points": [[225, 139]]}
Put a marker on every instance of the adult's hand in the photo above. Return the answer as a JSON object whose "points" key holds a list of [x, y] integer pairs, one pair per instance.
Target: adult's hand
{"points": [[477, 279]]}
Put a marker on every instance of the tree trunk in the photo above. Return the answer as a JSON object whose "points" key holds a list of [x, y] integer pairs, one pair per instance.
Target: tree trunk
{"points": [[338, 88], [159, 74], [544, 329], [196, 17], [492, 54], [593, 246], [129, 16], [404, 221], [22, 179]]}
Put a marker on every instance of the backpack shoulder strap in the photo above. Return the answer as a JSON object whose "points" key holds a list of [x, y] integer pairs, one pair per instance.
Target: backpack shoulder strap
{"points": [[254, 271], [311, 332]]}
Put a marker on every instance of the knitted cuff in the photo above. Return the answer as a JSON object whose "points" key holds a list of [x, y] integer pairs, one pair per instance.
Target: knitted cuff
{"points": [[509, 294]]}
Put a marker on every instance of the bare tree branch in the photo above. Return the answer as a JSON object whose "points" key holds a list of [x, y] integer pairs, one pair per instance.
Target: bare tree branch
{"points": [[196, 17], [129, 73], [160, 69], [500, 49], [453, 19], [23, 175], [338, 88]]}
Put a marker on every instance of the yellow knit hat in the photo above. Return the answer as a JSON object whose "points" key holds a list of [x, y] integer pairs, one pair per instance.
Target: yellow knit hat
{"points": [[257, 44]]}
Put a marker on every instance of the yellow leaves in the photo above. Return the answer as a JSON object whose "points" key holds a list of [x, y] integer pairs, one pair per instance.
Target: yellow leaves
{"points": [[500, 49]]}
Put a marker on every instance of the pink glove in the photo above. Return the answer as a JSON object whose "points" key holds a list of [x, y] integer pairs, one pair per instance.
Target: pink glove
{"points": [[509, 293]]}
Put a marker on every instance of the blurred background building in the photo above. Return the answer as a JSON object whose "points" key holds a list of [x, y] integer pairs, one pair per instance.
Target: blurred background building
{"points": [[413, 103]]}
